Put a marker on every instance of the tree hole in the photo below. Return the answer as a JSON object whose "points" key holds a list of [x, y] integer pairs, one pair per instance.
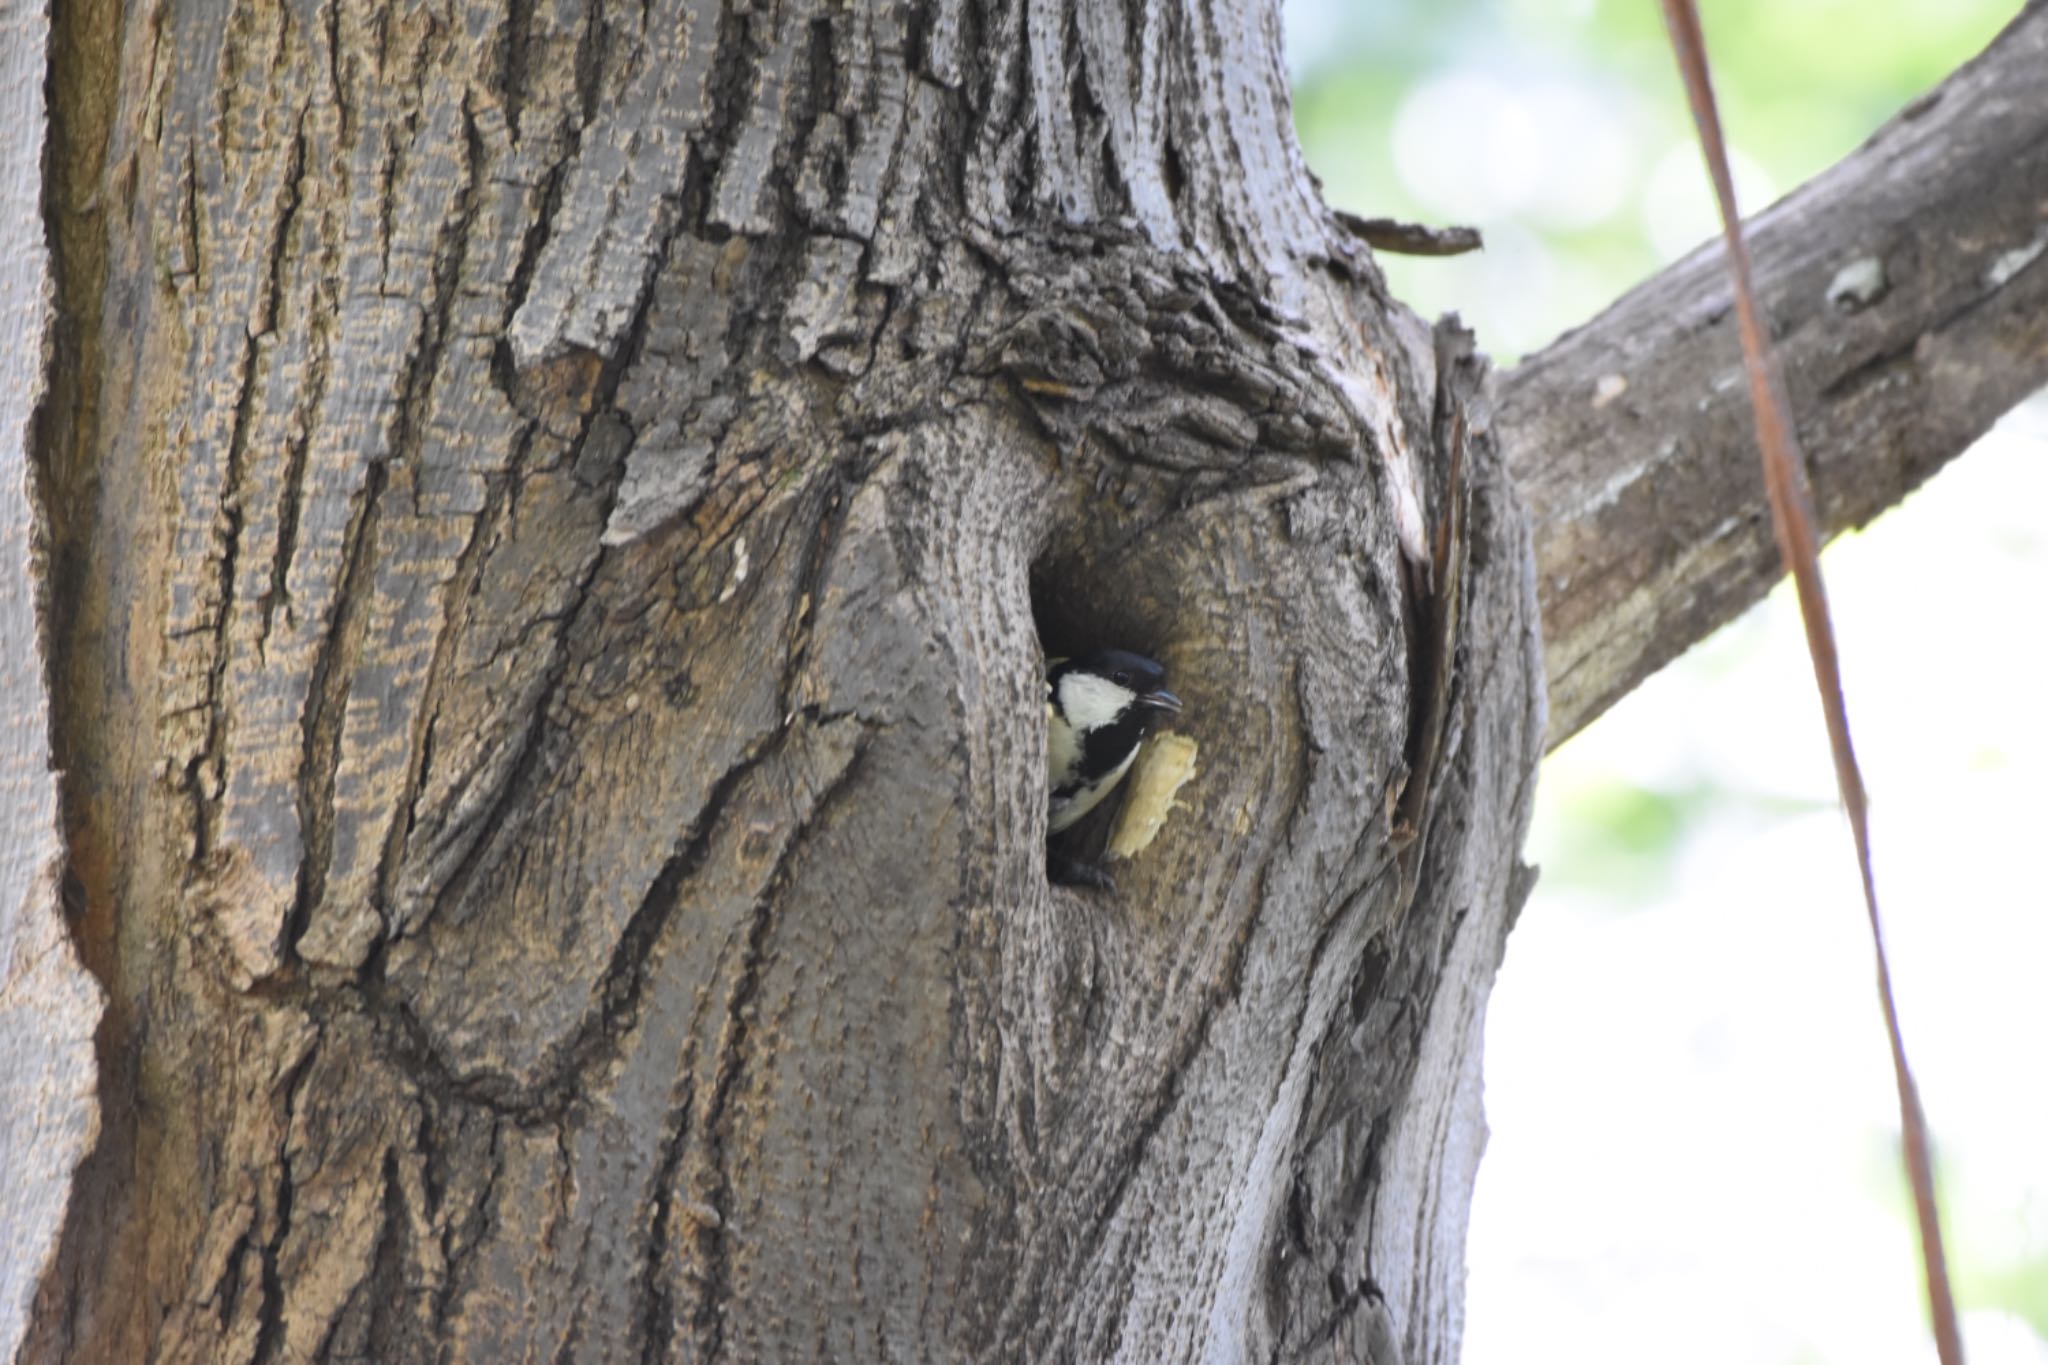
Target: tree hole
{"points": [[1101, 595], [1080, 604]]}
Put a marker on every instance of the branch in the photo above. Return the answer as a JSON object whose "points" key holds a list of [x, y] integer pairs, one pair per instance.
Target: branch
{"points": [[1910, 311]]}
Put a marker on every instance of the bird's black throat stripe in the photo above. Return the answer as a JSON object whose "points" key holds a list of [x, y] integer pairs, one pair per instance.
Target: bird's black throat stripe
{"points": [[1107, 746]]}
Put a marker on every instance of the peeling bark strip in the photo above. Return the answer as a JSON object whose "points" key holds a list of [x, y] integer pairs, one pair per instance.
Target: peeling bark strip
{"points": [[1910, 310], [49, 1006], [569, 508]]}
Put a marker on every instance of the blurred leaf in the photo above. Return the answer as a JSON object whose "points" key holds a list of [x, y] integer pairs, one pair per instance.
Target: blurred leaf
{"points": [[1802, 83], [1619, 839]]}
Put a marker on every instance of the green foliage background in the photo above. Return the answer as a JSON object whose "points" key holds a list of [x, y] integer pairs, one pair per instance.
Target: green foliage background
{"points": [[1800, 83]]}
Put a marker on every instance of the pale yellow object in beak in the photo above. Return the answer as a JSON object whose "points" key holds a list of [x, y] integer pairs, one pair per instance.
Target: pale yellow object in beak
{"points": [[1163, 768]]}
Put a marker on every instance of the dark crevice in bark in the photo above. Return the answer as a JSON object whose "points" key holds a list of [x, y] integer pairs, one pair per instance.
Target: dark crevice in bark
{"points": [[463, 1234], [320, 329], [291, 492], [596, 1042], [326, 708], [811, 123], [593, 50], [504, 369], [1083, 115], [657, 1317], [387, 1293], [816, 557], [515, 69], [330, 15], [455, 612], [473, 562], [994, 170], [712, 1264], [634, 339], [390, 172], [490, 521], [444, 1223], [196, 774], [270, 1312], [270, 1317], [227, 1293], [1347, 1300], [730, 93], [626, 977], [749, 45], [410, 1048]]}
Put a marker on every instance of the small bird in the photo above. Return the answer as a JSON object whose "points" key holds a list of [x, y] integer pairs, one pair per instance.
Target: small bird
{"points": [[1097, 710]]}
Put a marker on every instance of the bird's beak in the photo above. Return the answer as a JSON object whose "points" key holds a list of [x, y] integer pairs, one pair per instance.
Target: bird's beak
{"points": [[1162, 700]]}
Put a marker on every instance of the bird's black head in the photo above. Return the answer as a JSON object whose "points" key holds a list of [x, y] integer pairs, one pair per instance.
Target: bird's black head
{"points": [[1135, 674]]}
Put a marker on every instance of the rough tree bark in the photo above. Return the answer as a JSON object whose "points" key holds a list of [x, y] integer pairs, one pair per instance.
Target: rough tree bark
{"points": [[556, 513], [553, 516]]}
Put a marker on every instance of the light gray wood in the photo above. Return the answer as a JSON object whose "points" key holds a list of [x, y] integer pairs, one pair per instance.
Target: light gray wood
{"points": [[49, 1005]]}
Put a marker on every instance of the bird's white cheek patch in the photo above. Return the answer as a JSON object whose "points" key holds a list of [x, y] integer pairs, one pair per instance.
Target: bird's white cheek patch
{"points": [[1090, 701]]}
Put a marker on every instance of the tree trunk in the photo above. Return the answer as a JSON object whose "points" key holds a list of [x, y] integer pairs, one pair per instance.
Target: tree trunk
{"points": [[555, 517]]}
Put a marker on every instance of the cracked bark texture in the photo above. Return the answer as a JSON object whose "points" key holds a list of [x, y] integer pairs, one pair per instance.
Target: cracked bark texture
{"points": [[557, 511]]}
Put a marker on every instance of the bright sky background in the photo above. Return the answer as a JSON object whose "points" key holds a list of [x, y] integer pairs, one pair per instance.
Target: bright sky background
{"points": [[1694, 1128]]}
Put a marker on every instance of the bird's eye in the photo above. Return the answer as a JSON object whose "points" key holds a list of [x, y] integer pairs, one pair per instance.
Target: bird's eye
{"points": [[1120, 678]]}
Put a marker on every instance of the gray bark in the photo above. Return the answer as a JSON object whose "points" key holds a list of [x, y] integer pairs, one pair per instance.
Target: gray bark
{"points": [[560, 511]]}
